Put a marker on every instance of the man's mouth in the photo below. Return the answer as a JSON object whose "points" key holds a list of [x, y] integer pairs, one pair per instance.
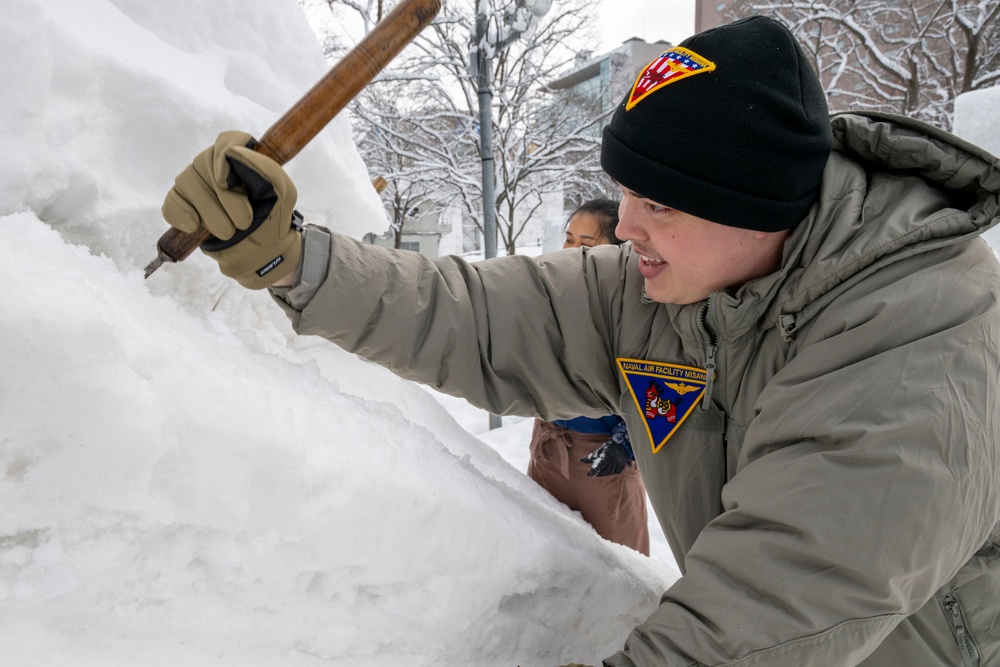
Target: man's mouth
{"points": [[650, 267], [647, 258]]}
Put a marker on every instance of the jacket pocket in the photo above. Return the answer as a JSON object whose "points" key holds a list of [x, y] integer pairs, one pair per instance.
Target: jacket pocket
{"points": [[955, 617], [683, 475], [736, 431]]}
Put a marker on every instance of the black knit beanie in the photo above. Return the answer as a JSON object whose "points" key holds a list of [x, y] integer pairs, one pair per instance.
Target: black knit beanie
{"points": [[731, 126]]}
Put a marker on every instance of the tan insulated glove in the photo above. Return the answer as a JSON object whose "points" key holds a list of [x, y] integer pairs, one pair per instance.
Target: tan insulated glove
{"points": [[246, 200]]}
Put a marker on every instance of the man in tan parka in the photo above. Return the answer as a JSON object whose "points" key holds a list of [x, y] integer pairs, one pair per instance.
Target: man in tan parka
{"points": [[803, 335]]}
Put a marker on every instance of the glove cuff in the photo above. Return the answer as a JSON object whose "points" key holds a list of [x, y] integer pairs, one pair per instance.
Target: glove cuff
{"points": [[282, 260]]}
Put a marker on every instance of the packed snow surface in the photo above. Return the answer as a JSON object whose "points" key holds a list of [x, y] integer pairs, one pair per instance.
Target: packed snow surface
{"points": [[183, 481]]}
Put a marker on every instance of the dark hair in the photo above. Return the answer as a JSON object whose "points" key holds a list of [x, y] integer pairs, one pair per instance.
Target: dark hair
{"points": [[606, 212]]}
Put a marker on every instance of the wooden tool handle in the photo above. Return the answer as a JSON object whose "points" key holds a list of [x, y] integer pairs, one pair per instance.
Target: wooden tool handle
{"points": [[317, 107]]}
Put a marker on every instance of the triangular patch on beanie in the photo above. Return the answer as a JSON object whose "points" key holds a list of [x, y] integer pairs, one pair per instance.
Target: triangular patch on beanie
{"points": [[672, 65], [664, 394]]}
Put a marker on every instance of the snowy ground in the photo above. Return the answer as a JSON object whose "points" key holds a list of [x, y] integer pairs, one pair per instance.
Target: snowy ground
{"points": [[182, 479]]}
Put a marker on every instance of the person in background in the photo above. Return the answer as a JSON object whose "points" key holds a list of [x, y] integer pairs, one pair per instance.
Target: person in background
{"points": [[587, 463], [592, 223], [802, 332]]}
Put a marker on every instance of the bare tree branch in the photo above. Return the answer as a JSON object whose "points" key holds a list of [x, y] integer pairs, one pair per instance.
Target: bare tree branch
{"points": [[417, 124], [911, 57]]}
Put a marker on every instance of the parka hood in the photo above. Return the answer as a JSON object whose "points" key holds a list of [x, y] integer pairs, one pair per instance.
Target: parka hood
{"points": [[857, 226]]}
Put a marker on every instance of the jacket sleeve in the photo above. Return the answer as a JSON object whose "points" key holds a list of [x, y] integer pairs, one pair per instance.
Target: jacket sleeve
{"points": [[512, 335], [867, 477]]}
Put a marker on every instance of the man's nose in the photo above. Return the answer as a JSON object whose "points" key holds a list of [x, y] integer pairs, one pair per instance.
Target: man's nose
{"points": [[625, 230]]}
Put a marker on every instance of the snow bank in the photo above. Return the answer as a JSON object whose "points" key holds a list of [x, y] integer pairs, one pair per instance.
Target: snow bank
{"points": [[977, 118], [184, 481]]}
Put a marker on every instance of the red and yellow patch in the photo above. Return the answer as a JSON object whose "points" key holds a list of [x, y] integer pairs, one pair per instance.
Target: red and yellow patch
{"points": [[671, 66]]}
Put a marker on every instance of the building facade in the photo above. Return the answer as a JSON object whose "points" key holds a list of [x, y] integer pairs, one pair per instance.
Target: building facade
{"points": [[422, 233], [605, 79], [596, 84]]}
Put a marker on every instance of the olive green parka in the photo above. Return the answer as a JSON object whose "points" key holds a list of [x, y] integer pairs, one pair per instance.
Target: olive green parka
{"points": [[835, 499]]}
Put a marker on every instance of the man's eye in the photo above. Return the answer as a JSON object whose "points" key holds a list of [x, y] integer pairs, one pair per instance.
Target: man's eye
{"points": [[656, 208]]}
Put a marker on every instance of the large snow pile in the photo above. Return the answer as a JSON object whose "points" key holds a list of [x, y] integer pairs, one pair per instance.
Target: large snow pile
{"points": [[977, 120], [182, 480]]}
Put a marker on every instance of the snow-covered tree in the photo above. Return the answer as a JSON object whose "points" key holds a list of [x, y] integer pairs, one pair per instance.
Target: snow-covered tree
{"points": [[903, 56], [407, 146], [418, 123]]}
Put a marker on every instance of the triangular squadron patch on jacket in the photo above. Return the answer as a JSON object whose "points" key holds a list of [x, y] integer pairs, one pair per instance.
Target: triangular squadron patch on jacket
{"points": [[665, 395]]}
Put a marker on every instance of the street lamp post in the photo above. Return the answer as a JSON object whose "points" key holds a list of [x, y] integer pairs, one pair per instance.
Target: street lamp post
{"points": [[486, 43], [483, 67]]}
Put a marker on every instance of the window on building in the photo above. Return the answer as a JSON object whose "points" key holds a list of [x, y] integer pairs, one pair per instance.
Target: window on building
{"points": [[410, 245]]}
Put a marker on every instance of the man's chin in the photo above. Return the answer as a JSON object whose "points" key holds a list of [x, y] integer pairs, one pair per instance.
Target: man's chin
{"points": [[660, 294]]}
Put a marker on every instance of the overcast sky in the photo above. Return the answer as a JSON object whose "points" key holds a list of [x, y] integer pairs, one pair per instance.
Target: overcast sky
{"points": [[671, 20]]}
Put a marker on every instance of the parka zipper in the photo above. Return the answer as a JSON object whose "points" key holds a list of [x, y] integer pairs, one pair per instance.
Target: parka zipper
{"points": [[966, 644], [711, 348]]}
